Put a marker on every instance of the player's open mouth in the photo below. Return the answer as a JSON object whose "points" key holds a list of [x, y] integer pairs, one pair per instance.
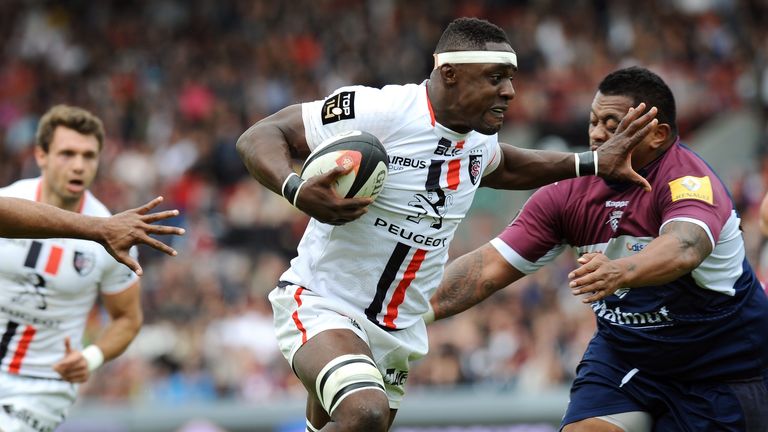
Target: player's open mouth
{"points": [[75, 185]]}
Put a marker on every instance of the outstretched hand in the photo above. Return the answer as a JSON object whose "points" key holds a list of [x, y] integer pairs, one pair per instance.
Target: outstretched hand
{"points": [[318, 198], [615, 155], [123, 230]]}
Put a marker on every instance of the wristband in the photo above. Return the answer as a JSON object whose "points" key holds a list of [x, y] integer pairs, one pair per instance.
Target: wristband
{"points": [[291, 186], [429, 315], [576, 162], [595, 154], [586, 163], [93, 356]]}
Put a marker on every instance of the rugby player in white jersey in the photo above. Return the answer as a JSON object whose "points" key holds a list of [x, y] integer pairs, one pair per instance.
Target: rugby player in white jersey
{"points": [[21, 218], [48, 287], [348, 311]]}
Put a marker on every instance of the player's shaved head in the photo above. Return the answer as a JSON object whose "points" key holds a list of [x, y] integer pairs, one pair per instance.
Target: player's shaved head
{"points": [[464, 34], [642, 85]]}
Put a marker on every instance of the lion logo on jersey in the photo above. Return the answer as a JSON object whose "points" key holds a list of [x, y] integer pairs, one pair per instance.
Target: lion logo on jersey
{"points": [[431, 205], [84, 262], [34, 290]]}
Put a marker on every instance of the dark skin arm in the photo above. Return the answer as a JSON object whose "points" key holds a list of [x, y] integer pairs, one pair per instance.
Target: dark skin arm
{"points": [[124, 309], [680, 248], [268, 148], [529, 169], [470, 279], [21, 218]]}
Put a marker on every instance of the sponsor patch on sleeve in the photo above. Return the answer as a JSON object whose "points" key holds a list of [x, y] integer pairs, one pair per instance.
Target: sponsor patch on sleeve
{"points": [[340, 106], [689, 187]]}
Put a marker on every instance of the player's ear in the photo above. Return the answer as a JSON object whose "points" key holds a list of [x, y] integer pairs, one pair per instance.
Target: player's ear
{"points": [[448, 74], [40, 156], [661, 135]]}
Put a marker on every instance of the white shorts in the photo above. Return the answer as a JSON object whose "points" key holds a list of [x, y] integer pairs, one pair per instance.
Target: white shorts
{"points": [[33, 404], [300, 314]]}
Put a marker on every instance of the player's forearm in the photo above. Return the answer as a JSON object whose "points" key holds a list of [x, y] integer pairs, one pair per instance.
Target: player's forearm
{"points": [[119, 334], [268, 148], [469, 280], [265, 155], [523, 169], [666, 258], [28, 219]]}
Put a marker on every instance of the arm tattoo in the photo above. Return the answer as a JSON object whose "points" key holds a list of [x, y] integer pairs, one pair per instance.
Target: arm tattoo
{"points": [[463, 285], [693, 239]]}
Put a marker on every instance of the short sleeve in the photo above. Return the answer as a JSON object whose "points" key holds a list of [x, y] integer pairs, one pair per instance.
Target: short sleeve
{"points": [[351, 108], [494, 158], [117, 276], [700, 200], [533, 239]]}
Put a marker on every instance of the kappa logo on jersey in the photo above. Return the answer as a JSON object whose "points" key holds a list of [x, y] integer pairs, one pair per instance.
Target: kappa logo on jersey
{"points": [[340, 106], [616, 204], [432, 205], [84, 262], [475, 167], [689, 187]]}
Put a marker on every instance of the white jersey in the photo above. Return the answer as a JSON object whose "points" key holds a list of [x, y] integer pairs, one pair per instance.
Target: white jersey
{"points": [[48, 287], [388, 263]]}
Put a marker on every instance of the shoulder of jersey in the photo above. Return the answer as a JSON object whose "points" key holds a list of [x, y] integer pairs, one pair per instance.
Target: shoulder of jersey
{"points": [[94, 207], [24, 188], [387, 91]]}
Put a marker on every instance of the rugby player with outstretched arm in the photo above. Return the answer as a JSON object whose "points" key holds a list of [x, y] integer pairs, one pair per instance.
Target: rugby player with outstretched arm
{"points": [[682, 321]]}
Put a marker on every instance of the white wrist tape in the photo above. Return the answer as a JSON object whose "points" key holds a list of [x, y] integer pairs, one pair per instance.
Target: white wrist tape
{"points": [[93, 356]]}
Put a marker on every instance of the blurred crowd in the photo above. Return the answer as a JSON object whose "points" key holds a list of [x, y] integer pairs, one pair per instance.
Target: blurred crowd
{"points": [[177, 81]]}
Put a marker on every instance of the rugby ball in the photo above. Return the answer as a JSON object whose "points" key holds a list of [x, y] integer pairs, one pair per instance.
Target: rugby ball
{"points": [[360, 150]]}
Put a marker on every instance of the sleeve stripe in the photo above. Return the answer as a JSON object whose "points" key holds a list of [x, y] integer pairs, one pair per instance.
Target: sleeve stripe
{"points": [[693, 221]]}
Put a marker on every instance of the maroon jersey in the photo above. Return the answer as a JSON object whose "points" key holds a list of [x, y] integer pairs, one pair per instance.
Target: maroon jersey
{"points": [[619, 220]]}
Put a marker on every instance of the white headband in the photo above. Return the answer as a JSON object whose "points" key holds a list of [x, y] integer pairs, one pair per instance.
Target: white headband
{"points": [[504, 57]]}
